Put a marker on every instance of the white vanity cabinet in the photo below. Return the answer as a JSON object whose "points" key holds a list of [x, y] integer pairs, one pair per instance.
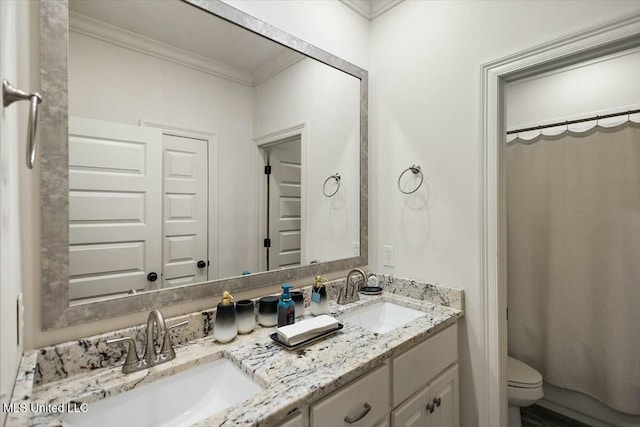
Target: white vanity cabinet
{"points": [[418, 388], [425, 383], [436, 405]]}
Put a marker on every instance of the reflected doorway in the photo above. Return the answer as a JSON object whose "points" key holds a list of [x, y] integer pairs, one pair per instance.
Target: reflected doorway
{"points": [[284, 204]]}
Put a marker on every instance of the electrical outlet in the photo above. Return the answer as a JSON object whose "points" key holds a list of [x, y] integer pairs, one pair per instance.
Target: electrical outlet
{"points": [[356, 248], [387, 256]]}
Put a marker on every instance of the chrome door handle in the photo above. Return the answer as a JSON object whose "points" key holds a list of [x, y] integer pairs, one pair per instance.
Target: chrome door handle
{"points": [[10, 94], [360, 416]]}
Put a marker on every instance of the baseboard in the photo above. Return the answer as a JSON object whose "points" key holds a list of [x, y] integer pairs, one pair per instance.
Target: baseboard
{"points": [[585, 409]]}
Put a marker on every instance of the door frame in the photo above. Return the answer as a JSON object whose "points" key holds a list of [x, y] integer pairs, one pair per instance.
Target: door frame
{"points": [[258, 162], [607, 37], [213, 241], [12, 125]]}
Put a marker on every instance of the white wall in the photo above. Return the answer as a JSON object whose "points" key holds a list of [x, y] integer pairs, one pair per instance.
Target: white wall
{"points": [[112, 83], [603, 85], [327, 24], [425, 83], [328, 102]]}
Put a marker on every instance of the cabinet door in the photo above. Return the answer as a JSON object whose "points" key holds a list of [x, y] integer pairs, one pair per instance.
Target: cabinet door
{"points": [[413, 413], [444, 397], [384, 422]]}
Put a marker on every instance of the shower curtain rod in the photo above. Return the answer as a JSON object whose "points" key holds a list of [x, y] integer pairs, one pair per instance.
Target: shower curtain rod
{"points": [[570, 122]]}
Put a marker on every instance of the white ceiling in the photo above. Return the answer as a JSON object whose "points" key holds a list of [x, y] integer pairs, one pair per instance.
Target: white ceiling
{"points": [[371, 9], [185, 27]]}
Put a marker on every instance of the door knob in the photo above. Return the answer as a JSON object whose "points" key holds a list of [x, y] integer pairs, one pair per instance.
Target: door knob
{"points": [[152, 277], [202, 264], [430, 408]]}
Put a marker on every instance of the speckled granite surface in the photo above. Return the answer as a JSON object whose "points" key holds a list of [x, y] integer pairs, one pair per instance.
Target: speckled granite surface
{"points": [[437, 294], [69, 372]]}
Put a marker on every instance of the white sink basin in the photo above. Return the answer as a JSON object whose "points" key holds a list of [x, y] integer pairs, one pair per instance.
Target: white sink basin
{"points": [[382, 317], [179, 400]]}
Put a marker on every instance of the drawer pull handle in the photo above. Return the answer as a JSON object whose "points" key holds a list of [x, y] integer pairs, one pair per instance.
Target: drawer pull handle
{"points": [[431, 408], [437, 401], [360, 416]]}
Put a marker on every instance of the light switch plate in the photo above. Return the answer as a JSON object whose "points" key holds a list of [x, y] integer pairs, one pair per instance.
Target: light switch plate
{"points": [[387, 256]]}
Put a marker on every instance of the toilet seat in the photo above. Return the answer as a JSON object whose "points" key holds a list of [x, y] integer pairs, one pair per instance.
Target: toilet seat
{"points": [[521, 375], [525, 388]]}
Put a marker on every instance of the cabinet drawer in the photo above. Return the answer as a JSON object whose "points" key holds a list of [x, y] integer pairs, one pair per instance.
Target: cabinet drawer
{"points": [[373, 389], [296, 419], [415, 368]]}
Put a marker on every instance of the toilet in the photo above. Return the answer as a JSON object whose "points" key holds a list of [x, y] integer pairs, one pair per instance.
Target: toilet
{"points": [[524, 388]]}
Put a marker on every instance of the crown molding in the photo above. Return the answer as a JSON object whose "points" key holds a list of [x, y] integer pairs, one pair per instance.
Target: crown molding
{"points": [[378, 7], [361, 7], [371, 9], [273, 66], [99, 30]]}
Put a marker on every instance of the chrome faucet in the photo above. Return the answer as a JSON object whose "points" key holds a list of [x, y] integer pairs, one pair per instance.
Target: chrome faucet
{"points": [[349, 292], [161, 339], [155, 323]]}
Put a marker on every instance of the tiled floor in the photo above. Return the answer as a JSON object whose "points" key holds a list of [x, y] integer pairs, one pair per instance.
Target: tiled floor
{"points": [[537, 416]]}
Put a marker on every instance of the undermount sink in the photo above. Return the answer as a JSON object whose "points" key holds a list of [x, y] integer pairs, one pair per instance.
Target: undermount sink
{"points": [[382, 317], [179, 400]]}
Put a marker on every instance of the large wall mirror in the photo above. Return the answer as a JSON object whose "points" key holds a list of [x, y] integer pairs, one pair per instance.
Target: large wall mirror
{"points": [[189, 148]]}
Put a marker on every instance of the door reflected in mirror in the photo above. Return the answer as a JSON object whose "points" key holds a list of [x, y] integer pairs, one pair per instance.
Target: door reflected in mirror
{"points": [[199, 150]]}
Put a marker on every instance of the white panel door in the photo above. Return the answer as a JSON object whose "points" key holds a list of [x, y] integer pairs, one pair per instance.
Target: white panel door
{"points": [[115, 201], [285, 204], [185, 177]]}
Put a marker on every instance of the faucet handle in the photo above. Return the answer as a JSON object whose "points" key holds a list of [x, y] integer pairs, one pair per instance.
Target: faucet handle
{"points": [[167, 347], [132, 355]]}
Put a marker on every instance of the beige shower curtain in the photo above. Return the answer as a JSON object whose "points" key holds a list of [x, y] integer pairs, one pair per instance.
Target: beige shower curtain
{"points": [[573, 227]]}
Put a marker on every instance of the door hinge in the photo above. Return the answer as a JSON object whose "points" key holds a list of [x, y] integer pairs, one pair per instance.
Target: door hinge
{"points": [[267, 242], [267, 170]]}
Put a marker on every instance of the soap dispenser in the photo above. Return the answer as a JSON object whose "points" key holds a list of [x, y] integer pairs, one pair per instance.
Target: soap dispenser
{"points": [[319, 297], [286, 307], [225, 327]]}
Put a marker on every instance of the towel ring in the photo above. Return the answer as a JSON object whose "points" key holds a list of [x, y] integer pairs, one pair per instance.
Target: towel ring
{"points": [[415, 169], [337, 178]]}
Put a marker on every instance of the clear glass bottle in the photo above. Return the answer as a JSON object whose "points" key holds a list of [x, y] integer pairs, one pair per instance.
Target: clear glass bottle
{"points": [[318, 304]]}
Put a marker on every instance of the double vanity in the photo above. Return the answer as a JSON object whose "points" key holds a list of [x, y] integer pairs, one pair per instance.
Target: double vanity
{"points": [[121, 238], [393, 363]]}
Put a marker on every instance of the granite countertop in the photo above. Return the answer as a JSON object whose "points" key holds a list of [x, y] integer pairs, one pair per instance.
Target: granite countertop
{"points": [[290, 379]]}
